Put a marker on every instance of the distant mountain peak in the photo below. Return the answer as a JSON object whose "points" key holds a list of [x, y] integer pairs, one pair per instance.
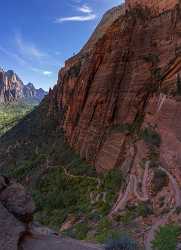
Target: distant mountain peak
{"points": [[30, 85], [13, 89]]}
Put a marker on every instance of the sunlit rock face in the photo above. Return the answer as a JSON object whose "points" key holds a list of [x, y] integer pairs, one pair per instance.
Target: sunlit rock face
{"points": [[110, 84], [157, 6]]}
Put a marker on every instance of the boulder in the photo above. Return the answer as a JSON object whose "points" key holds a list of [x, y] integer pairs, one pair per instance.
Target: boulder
{"points": [[11, 230], [18, 202], [3, 183]]}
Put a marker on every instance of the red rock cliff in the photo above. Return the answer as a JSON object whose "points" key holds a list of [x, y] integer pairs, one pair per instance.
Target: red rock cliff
{"points": [[120, 100], [157, 6], [109, 84]]}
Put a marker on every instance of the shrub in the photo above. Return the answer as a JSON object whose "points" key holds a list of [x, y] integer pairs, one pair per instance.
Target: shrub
{"points": [[178, 210], [79, 231], [74, 70], [166, 237], [105, 231], [123, 243], [160, 180], [144, 209], [112, 180], [151, 58], [121, 128], [151, 137], [178, 85], [128, 216]]}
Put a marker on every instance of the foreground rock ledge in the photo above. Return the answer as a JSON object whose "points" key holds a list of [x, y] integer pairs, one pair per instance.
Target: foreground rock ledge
{"points": [[18, 232]]}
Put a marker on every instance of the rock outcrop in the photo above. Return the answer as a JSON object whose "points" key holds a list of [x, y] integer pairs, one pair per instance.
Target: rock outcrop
{"points": [[16, 210], [17, 229], [12, 89]]}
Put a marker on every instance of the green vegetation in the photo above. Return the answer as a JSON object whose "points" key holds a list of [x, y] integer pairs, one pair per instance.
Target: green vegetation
{"points": [[61, 193], [79, 231], [66, 186], [160, 180], [167, 237], [105, 231], [74, 71], [121, 128], [10, 114], [61, 182], [151, 137], [143, 209], [151, 58], [127, 127]]}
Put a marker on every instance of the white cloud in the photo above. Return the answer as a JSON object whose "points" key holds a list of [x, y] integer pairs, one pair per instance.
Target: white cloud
{"points": [[76, 18], [85, 9], [88, 15], [28, 49], [41, 71], [13, 55], [47, 73]]}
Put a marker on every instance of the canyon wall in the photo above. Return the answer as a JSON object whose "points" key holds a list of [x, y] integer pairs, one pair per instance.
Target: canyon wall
{"points": [[119, 102], [101, 90]]}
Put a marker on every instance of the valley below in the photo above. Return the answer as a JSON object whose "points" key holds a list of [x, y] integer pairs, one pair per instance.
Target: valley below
{"points": [[11, 114]]}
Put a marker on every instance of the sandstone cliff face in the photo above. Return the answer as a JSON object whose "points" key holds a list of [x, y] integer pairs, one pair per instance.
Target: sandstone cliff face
{"points": [[13, 89], [110, 86], [157, 6], [108, 19], [120, 100]]}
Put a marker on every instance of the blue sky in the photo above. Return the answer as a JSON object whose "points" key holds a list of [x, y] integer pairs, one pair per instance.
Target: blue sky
{"points": [[37, 36]]}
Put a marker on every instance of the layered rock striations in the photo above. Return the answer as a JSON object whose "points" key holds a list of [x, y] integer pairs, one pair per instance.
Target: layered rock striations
{"points": [[119, 101], [13, 89], [113, 84]]}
